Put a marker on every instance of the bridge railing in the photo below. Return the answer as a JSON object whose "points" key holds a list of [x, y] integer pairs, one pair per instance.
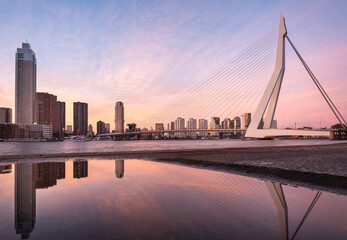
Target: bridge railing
{"points": [[161, 132]]}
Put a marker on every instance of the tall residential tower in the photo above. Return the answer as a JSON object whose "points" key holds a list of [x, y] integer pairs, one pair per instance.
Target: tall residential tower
{"points": [[25, 75], [80, 118], [46, 109], [119, 117]]}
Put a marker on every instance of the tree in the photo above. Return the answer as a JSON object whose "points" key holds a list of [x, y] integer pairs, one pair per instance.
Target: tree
{"points": [[338, 126]]}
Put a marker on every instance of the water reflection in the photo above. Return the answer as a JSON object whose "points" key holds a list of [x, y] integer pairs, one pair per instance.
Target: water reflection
{"points": [[25, 199], [7, 168], [28, 178], [80, 169], [47, 174], [276, 192], [244, 205], [119, 168]]}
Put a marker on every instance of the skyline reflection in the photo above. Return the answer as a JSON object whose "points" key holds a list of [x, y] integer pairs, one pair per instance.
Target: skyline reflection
{"points": [[25, 199], [4, 169], [119, 168], [164, 189], [80, 169]]}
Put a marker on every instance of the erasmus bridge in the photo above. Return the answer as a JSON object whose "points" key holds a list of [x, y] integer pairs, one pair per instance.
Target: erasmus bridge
{"points": [[248, 83]]}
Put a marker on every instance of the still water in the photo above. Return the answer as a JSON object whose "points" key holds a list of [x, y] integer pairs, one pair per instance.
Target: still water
{"points": [[9, 148], [138, 199]]}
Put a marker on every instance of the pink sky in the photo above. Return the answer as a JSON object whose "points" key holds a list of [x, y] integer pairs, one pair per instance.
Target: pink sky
{"points": [[148, 54]]}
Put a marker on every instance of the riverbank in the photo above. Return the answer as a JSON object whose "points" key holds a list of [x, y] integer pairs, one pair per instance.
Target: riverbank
{"points": [[318, 166]]}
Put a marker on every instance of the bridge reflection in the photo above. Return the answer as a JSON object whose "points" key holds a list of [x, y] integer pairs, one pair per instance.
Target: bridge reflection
{"points": [[32, 176]]}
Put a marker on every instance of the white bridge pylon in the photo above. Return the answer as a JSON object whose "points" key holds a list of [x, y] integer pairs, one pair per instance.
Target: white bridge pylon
{"points": [[260, 126]]}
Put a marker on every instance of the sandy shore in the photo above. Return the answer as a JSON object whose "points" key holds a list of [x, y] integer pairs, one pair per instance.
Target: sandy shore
{"points": [[320, 166]]}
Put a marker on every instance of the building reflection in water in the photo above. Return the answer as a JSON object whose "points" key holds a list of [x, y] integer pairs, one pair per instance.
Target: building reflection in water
{"points": [[80, 169], [47, 174], [25, 199], [5, 168], [119, 168], [28, 178], [61, 170]]}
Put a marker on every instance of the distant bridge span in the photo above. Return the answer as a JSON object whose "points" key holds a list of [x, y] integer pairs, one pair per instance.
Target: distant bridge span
{"points": [[161, 132], [267, 132]]}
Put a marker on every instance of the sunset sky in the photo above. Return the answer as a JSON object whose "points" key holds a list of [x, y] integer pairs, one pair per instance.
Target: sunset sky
{"points": [[146, 53]]}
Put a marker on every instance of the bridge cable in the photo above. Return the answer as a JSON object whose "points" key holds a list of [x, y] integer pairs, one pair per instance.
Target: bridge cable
{"points": [[212, 95], [173, 110], [319, 86], [216, 73], [208, 81]]}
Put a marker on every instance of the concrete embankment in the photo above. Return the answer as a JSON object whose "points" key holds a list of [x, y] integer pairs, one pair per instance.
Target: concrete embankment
{"points": [[322, 166]]}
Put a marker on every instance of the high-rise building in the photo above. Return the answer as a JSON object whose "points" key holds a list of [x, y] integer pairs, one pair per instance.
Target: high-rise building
{"points": [[46, 110], [61, 119], [25, 75], [159, 126], [119, 117], [5, 115], [179, 125], [191, 125], [203, 124], [215, 123], [80, 118], [107, 128], [226, 124], [246, 120], [100, 127], [119, 168], [171, 126], [232, 124], [25, 199], [274, 124], [237, 123]]}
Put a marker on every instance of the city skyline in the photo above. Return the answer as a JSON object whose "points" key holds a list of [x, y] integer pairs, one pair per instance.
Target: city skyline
{"points": [[145, 80]]}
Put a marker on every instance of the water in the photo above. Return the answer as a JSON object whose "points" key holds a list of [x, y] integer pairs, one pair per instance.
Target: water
{"points": [[9, 148], [137, 199]]}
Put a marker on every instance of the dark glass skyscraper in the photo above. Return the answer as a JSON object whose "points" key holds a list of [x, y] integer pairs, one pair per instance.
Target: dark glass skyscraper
{"points": [[80, 118], [100, 126], [61, 119]]}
